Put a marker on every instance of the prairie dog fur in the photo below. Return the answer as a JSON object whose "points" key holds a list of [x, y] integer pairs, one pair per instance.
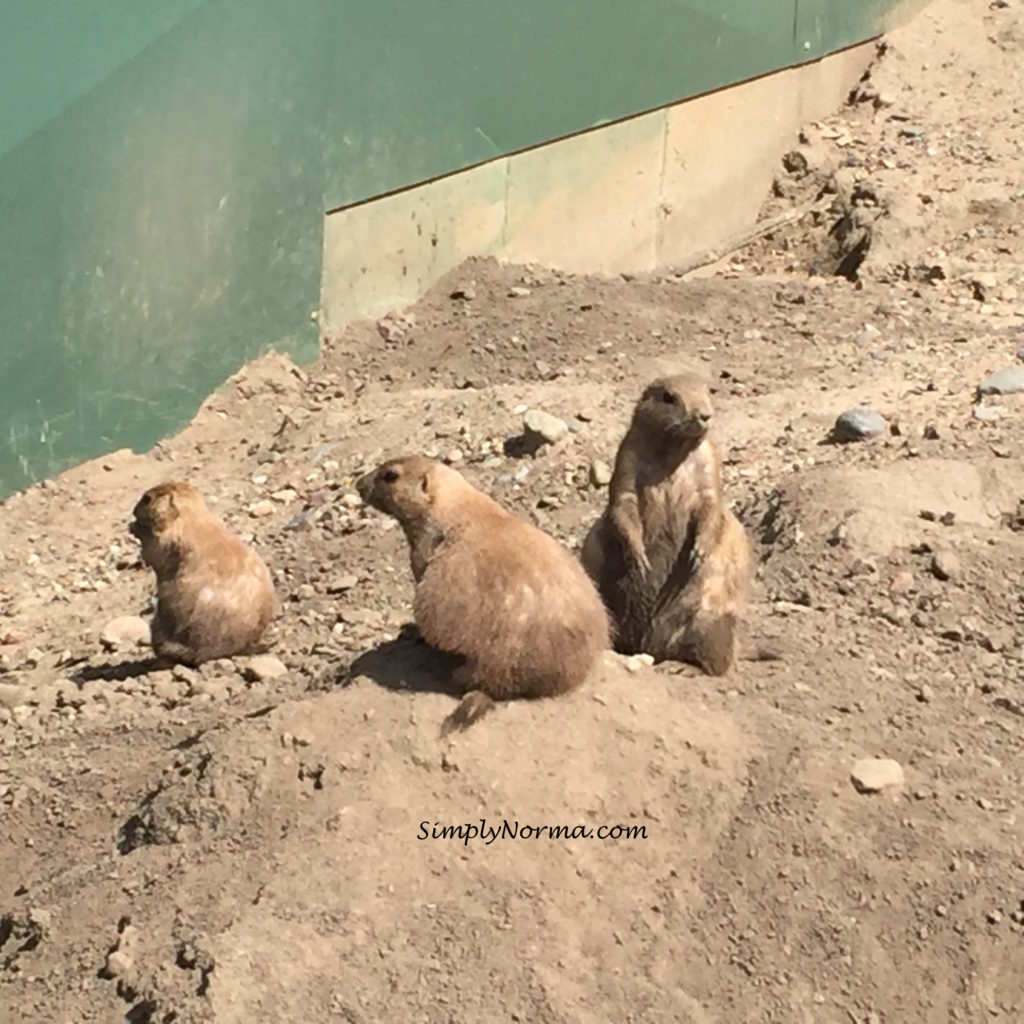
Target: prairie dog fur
{"points": [[215, 597], [491, 588], [671, 561]]}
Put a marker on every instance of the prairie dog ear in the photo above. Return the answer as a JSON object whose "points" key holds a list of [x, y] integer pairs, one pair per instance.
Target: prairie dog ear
{"points": [[162, 508]]}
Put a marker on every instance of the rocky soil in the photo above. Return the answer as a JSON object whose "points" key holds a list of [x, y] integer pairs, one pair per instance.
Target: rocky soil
{"points": [[834, 836]]}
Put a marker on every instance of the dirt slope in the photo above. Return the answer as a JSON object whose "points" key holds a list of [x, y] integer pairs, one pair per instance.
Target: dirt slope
{"points": [[229, 846]]}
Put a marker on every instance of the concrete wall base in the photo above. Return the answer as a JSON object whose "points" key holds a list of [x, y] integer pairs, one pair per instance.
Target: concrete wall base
{"points": [[636, 195]]}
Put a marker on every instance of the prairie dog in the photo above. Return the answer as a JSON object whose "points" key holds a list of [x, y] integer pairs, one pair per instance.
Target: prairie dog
{"points": [[671, 561], [215, 597], [491, 588]]}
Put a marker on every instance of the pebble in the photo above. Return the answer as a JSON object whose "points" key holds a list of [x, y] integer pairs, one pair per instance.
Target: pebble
{"points": [[261, 509], [464, 291], [343, 583], [858, 423], [986, 413], [945, 565], [167, 690], [518, 292], [12, 695], [351, 500], [454, 457], [925, 694], [216, 689], [263, 667], [543, 428], [869, 335], [600, 473], [902, 583], [636, 662], [1004, 382], [119, 963], [873, 774], [125, 631]]}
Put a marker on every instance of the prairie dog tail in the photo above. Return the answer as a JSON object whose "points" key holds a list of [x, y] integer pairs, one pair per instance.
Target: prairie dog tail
{"points": [[471, 709]]}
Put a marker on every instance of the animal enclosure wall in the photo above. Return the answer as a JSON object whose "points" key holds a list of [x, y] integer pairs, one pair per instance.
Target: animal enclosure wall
{"points": [[165, 169]]}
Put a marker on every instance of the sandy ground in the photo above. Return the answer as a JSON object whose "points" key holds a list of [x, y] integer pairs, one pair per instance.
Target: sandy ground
{"points": [[240, 844]]}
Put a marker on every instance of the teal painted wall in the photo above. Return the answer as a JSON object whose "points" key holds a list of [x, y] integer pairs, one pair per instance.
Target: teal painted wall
{"points": [[165, 167]]}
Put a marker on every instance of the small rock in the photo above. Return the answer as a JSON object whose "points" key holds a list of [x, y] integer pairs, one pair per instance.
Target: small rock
{"points": [[467, 292], [351, 500], [925, 694], [518, 292], [119, 963], [902, 583], [342, 583], [264, 667], [858, 423], [636, 662], [869, 335], [945, 565], [600, 473], [125, 631], [261, 509], [184, 674], [285, 495], [994, 917], [986, 413], [454, 457], [11, 695], [574, 425], [931, 432], [543, 428], [167, 690], [873, 774], [1004, 382]]}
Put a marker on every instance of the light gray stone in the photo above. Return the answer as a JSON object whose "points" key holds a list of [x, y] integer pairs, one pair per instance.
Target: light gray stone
{"points": [[873, 774], [125, 631], [543, 428], [858, 424], [1004, 382]]}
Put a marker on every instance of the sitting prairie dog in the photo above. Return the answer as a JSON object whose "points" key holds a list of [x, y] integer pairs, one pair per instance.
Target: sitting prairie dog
{"points": [[215, 597], [671, 561], [491, 588]]}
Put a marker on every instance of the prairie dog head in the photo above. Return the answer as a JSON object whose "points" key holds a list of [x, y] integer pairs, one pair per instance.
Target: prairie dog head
{"points": [[410, 488], [159, 514], [676, 407]]}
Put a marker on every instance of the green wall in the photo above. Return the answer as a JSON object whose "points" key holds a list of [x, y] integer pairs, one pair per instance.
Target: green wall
{"points": [[165, 167]]}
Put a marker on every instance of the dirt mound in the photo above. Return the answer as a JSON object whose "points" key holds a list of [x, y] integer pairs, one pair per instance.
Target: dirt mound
{"points": [[246, 841]]}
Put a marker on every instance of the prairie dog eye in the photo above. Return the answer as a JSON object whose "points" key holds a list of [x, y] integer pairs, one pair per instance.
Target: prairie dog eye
{"points": [[389, 476], [668, 397]]}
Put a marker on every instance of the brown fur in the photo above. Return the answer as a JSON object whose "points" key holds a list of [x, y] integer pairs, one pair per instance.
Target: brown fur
{"points": [[215, 597], [490, 587], [672, 563]]}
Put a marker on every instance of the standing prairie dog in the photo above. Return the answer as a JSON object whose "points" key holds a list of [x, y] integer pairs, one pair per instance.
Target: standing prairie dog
{"points": [[490, 588], [671, 561], [215, 597]]}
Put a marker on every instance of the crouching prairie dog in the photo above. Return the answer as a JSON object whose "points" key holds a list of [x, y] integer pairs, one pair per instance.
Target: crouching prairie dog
{"points": [[215, 597], [671, 561], [495, 591]]}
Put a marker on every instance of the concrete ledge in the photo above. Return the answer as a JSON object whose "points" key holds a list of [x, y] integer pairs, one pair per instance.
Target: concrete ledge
{"points": [[642, 193]]}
